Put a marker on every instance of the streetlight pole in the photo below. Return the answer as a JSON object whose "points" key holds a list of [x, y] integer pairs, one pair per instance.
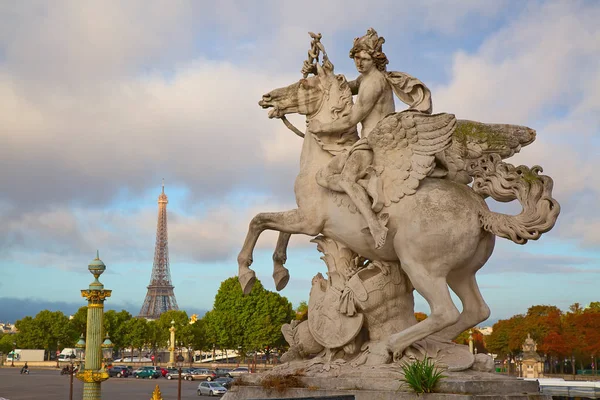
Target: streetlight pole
{"points": [[71, 373], [179, 365], [94, 372], [57, 353], [172, 345]]}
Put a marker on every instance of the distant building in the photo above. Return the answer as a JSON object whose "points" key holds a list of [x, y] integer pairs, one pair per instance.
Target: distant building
{"points": [[486, 330], [7, 327]]}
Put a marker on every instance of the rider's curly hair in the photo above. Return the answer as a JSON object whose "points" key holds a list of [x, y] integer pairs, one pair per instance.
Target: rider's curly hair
{"points": [[372, 44]]}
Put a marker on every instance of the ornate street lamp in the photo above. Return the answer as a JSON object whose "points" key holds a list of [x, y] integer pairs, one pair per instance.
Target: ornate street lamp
{"points": [[12, 360], [107, 348], [180, 360], [172, 345], [81, 346], [71, 373], [94, 374]]}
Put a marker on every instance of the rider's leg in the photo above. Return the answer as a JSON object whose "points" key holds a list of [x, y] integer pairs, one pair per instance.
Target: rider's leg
{"points": [[329, 176], [353, 168]]}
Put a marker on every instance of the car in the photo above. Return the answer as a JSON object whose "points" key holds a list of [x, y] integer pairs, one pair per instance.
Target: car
{"points": [[119, 371], [174, 373], [239, 371], [162, 371], [133, 359], [146, 372], [199, 374], [223, 372], [171, 373], [211, 389], [225, 381]]}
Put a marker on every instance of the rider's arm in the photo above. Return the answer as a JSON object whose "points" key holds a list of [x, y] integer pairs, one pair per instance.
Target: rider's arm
{"points": [[367, 97]]}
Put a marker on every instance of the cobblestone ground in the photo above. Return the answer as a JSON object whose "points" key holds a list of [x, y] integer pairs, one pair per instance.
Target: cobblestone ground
{"points": [[45, 384]]}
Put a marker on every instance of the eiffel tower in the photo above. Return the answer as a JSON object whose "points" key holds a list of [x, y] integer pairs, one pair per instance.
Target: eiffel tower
{"points": [[160, 296]]}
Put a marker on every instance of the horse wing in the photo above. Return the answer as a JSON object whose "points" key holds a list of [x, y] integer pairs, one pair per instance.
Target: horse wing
{"points": [[473, 139], [404, 146]]}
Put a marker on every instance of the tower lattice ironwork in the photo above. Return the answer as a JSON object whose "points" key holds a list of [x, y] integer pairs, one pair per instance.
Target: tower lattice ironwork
{"points": [[160, 296]]}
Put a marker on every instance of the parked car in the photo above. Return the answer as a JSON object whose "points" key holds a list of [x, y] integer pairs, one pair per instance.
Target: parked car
{"points": [[171, 373], [239, 371], [199, 374], [223, 372], [133, 359], [211, 389], [174, 373], [225, 381], [146, 372], [120, 371]]}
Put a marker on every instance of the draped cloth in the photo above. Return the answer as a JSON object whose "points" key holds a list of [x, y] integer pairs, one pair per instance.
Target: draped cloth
{"points": [[411, 91]]}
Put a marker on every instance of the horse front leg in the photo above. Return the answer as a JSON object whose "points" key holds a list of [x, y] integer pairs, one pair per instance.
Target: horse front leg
{"points": [[281, 275], [293, 221]]}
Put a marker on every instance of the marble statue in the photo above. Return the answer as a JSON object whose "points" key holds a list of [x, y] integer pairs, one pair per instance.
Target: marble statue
{"points": [[399, 208]]}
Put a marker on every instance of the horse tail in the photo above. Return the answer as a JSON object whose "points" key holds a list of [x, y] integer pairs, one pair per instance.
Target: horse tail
{"points": [[504, 182]]}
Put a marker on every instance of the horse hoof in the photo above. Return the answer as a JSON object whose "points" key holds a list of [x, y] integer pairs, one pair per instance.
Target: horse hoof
{"points": [[281, 276], [247, 280]]}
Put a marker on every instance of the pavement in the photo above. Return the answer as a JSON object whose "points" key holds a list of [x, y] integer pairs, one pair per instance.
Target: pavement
{"points": [[50, 384]]}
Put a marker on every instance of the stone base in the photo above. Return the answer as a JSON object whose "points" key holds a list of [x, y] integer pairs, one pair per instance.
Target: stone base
{"points": [[457, 386]]}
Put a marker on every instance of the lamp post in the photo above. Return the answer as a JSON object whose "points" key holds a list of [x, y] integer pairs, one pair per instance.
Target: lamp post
{"points": [[81, 346], [471, 341], [107, 348], [543, 358], [12, 360], [179, 366], [172, 345], [520, 360], [94, 374], [57, 353], [71, 373]]}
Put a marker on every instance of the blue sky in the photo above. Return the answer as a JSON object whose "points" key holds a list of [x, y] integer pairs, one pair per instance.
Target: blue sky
{"points": [[100, 100]]}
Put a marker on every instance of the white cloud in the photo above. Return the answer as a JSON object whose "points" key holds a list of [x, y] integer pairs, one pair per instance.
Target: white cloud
{"points": [[541, 70]]}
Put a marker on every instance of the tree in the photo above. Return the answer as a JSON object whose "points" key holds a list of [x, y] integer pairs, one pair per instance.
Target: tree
{"points": [[136, 335], [477, 336], [115, 326], [420, 316], [79, 321], [302, 311], [49, 330], [6, 342], [247, 323]]}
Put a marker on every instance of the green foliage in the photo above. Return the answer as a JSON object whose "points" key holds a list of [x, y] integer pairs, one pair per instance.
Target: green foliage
{"points": [[247, 323], [6, 342], [136, 333], [79, 321], [302, 311], [422, 376], [49, 330], [115, 325]]}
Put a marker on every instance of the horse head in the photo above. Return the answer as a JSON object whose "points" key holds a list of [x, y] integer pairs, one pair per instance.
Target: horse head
{"points": [[325, 96]]}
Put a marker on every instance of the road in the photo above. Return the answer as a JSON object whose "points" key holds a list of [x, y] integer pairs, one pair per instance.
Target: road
{"points": [[51, 385]]}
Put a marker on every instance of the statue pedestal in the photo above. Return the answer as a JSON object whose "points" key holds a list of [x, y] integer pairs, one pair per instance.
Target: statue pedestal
{"points": [[469, 385]]}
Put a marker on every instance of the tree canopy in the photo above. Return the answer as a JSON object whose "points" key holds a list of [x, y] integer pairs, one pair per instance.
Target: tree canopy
{"points": [[247, 323]]}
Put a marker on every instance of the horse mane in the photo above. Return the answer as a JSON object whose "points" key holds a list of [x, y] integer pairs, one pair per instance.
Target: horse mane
{"points": [[344, 104]]}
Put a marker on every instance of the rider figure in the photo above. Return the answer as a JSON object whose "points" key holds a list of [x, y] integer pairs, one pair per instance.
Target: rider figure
{"points": [[25, 368], [375, 87]]}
